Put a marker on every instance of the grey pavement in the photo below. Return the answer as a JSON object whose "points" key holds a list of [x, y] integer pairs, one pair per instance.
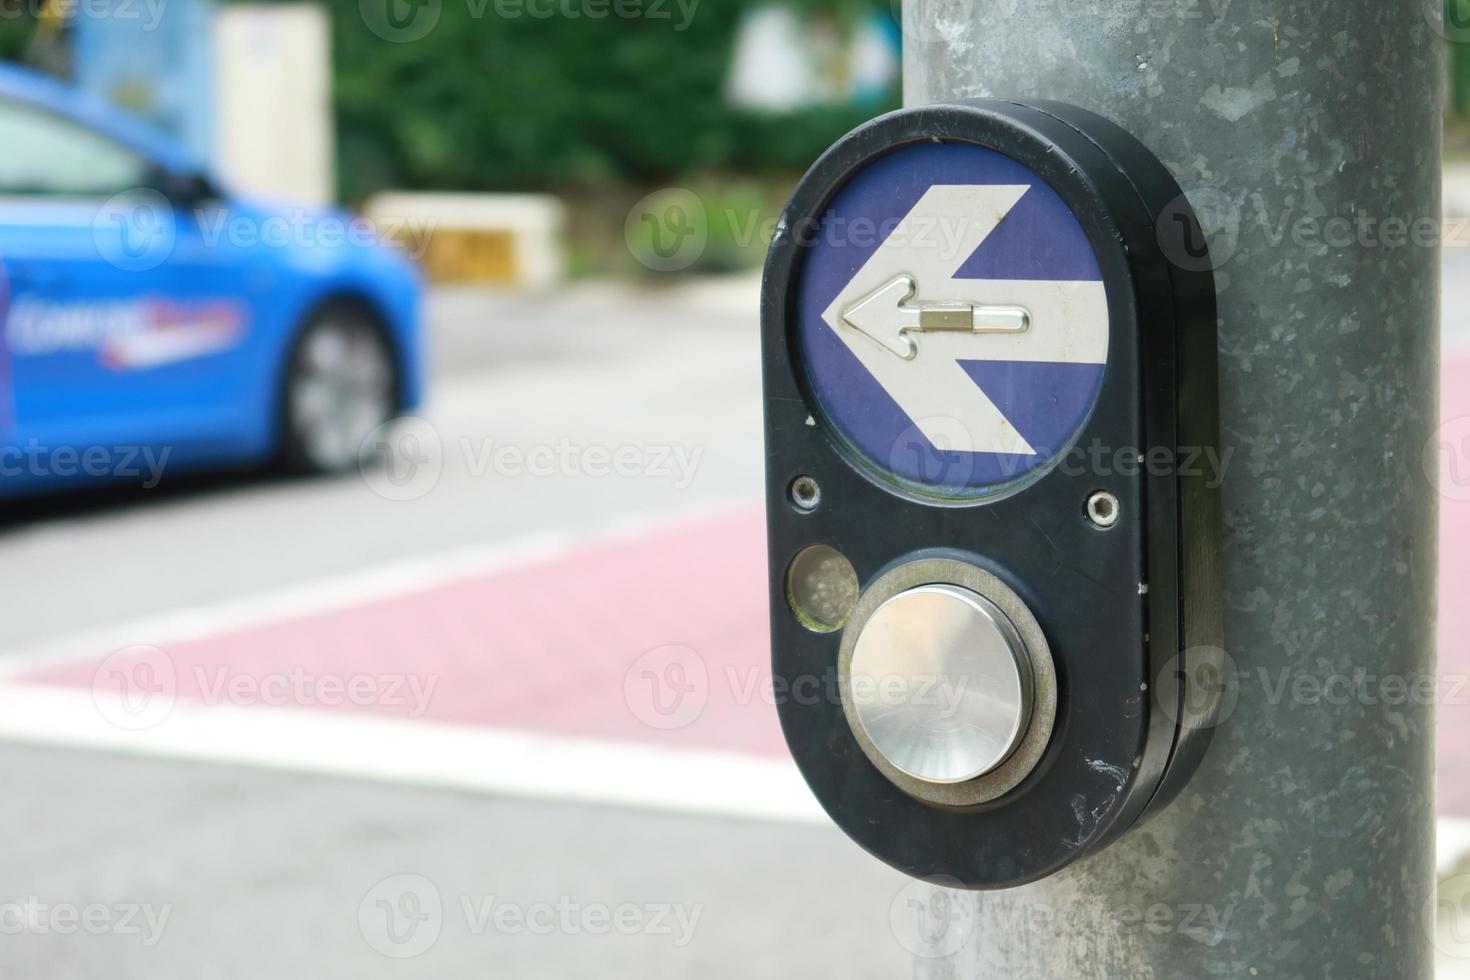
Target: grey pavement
{"points": [[207, 871]]}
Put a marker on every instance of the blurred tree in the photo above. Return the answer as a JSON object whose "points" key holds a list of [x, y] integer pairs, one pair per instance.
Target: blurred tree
{"points": [[492, 96], [35, 33], [490, 100], [1460, 79], [15, 30], [1457, 12]]}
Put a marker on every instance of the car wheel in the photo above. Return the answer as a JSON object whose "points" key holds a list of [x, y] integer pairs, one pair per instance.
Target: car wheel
{"points": [[339, 387]]}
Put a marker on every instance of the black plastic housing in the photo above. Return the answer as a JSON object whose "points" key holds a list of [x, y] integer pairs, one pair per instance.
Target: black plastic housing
{"points": [[1131, 614]]}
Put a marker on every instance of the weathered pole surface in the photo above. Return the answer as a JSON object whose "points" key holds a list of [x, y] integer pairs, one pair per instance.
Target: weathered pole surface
{"points": [[1307, 134]]}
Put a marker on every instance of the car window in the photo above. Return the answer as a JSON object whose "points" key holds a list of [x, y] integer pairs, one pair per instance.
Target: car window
{"points": [[48, 154]]}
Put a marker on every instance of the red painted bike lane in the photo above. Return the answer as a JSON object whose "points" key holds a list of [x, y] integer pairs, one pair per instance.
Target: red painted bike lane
{"points": [[596, 642]]}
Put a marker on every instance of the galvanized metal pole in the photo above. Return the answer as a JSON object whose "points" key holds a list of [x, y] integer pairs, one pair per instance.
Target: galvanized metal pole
{"points": [[1308, 137]]}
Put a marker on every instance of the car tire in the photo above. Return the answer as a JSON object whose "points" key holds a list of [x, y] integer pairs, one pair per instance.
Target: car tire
{"points": [[340, 384]]}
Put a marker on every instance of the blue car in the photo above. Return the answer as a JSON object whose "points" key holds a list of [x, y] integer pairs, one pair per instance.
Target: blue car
{"points": [[154, 323]]}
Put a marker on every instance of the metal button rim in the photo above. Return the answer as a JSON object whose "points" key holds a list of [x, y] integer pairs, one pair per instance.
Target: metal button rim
{"points": [[1028, 754]]}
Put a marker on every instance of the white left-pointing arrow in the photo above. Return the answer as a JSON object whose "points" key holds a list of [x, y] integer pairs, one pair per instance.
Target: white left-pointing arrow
{"points": [[889, 314], [1066, 321]]}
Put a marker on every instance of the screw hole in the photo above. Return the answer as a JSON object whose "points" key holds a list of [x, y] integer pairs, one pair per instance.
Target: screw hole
{"points": [[805, 494], [1102, 509]]}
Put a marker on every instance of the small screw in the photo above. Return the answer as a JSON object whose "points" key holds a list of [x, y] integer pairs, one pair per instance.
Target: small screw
{"points": [[1102, 509], [805, 494]]}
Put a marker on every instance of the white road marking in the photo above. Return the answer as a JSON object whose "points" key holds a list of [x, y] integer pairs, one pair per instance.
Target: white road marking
{"points": [[1452, 848], [512, 763], [519, 764]]}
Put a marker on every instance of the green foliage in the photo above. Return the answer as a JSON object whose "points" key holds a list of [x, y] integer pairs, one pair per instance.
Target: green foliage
{"points": [[17, 25], [490, 101], [1460, 79], [731, 220], [494, 98], [1457, 14]]}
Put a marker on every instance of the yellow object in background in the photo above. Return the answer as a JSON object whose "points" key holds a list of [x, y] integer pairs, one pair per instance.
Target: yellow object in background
{"points": [[463, 255], [511, 240]]}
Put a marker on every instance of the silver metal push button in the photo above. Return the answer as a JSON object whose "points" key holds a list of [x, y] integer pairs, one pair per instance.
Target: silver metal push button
{"points": [[941, 683]]}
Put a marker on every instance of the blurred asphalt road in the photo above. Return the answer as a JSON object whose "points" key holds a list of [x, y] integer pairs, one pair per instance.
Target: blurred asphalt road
{"points": [[253, 872], [590, 367]]}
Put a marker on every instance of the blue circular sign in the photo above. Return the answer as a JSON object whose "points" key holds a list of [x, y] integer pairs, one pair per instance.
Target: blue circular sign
{"points": [[952, 320]]}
